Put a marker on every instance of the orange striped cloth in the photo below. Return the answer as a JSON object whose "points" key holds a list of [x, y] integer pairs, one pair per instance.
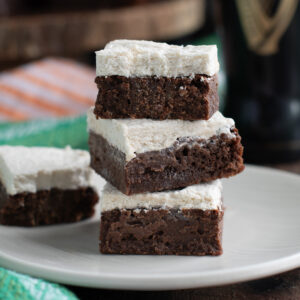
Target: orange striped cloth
{"points": [[51, 87]]}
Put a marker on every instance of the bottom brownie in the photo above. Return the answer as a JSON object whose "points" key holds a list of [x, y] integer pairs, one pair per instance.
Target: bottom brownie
{"points": [[46, 207], [161, 231]]}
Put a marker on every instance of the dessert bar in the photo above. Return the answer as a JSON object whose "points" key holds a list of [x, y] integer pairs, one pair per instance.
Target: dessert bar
{"points": [[42, 186], [180, 222], [143, 155], [143, 79]]}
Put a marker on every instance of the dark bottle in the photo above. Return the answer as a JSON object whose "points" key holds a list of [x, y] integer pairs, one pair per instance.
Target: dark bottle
{"points": [[261, 41]]}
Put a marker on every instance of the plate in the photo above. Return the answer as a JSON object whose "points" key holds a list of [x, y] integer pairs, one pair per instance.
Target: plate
{"points": [[261, 238]]}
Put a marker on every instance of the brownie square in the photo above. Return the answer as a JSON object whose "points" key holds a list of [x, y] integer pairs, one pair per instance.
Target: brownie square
{"points": [[179, 166], [43, 186], [178, 222]]}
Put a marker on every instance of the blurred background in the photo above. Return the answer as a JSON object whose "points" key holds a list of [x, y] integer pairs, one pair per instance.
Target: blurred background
{"points": [[47, 68], [47, 64]]}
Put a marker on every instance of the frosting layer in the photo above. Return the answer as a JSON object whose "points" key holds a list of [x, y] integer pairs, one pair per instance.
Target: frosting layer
{"points": [[145, 58], [143, 135], [24, 169], [205, 196]]}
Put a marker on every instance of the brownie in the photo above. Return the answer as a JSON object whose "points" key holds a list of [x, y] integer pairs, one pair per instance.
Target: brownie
{"points": [[151, 97], [187, 162], [46, 207], [161, 231]]}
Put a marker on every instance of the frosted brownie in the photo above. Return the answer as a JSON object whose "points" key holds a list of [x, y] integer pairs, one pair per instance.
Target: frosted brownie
{"points": [[143, 79], [144, 155], [41, 186], [181, 222]]}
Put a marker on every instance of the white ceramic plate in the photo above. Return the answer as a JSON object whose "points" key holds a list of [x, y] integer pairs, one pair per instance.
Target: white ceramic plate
{"points": [[261, 238]]}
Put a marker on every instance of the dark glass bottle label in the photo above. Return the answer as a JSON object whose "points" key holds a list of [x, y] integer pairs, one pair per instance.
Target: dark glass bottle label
{"points": [[264, 22]]}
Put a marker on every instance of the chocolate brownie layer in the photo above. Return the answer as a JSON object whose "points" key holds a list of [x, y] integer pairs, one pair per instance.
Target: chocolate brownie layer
{"points": [[46, 207], [187, 162], [161, 231], [154, 97]]}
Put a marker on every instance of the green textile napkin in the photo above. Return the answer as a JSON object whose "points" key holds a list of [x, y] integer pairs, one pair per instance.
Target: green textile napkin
{"points": [[15, 286], [48, 133]]}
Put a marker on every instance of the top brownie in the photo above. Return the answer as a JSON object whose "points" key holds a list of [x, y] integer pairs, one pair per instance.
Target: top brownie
{"points": [[143, 79]]}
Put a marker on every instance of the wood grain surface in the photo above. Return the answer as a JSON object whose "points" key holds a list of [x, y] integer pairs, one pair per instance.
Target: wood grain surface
{"points": [[66, 34]]}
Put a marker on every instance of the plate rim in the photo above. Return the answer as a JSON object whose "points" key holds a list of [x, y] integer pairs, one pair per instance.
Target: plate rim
{"points": [[157, 281], [131, 282]]}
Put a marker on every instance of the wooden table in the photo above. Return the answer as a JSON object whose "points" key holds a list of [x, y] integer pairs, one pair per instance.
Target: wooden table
{"points": [[27, 37], [285, 286]]}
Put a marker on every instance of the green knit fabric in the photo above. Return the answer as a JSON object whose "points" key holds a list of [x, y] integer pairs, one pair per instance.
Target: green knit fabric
{"points": [[15, 286], [54, 133]]}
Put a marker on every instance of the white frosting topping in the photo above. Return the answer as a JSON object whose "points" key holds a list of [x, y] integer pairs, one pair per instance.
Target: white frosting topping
{"points": [[132, 58], [24, 169], [205, 196], [142, 135]]}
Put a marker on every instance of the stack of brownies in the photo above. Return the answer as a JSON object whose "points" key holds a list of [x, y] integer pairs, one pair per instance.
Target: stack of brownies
{"points": [[157, 137]]}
